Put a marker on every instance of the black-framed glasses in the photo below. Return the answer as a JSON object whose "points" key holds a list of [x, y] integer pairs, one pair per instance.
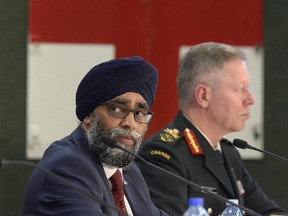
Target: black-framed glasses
{"points": [[120, 111]]}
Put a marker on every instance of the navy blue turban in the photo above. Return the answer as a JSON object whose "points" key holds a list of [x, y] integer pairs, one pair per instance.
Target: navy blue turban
{"points": [[113, 78]]}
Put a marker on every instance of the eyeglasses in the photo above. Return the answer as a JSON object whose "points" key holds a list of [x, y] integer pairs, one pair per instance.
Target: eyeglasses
{"points": [[120, 111]]}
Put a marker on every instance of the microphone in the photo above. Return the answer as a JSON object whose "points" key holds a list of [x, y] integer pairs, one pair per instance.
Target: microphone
{"points": [[113, 144], [239, 143], [64, 181]]}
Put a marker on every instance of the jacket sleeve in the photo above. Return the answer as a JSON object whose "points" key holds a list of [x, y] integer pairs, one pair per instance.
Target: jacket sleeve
{"points": [[81, 193]]}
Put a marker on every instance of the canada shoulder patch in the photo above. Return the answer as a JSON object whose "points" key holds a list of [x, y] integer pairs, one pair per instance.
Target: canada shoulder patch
{"points": [[160, 153]]}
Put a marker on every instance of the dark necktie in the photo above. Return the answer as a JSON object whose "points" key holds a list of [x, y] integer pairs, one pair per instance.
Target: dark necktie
{"points": [[118, 190], [220, 156]]}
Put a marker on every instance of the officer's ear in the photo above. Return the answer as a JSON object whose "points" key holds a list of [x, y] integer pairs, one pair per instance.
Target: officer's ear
{"points": [[202, 94]]}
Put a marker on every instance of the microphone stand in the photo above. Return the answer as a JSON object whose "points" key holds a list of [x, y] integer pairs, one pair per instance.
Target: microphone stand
{"points": [[243, 144], [285, 160], [179, 178]]}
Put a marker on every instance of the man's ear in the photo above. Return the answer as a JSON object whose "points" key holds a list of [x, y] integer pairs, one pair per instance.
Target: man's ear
{"points": [[86, 122], [87, 119], [202, 94]]}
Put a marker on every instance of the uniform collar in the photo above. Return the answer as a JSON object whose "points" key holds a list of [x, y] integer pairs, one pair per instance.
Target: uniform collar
{"points": [[218, 147]]}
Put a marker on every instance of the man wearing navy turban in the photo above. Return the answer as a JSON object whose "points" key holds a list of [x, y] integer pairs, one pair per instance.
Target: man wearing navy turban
{"points": [[112, 100]]}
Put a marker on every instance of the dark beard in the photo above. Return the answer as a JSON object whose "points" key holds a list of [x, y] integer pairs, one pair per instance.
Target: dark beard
{"points": [[111, 156]]}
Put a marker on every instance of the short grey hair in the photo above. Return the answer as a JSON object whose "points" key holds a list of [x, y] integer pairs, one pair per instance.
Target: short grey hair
{"points": [[200, 61]]}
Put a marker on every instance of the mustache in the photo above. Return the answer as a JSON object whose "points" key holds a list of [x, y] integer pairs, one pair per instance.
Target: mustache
{"points": [[125, 132]]}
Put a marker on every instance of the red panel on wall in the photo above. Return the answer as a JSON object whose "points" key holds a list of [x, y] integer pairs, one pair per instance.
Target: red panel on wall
{"points": [[151, 29]]}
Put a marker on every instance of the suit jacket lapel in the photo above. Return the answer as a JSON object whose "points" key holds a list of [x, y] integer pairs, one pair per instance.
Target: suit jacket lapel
{"points": [[134, 197], [83, 146]]}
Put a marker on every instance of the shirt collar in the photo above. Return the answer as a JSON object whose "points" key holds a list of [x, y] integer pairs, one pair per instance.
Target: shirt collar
{"points": [[110, 170]]}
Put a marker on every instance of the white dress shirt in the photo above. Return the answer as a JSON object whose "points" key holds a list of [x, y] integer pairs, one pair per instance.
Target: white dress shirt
{"points": [[109, 171]]}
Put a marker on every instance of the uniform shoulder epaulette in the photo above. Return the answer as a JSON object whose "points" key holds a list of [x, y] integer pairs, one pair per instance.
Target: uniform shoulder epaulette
{"points": [[169, 135]]}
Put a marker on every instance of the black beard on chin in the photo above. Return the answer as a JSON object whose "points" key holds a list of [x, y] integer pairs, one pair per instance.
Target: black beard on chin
{"points": [[111, 156]]}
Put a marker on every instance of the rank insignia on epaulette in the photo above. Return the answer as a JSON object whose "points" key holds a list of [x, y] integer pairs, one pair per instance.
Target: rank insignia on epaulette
{"points": [[192, 141], [169, 135]]}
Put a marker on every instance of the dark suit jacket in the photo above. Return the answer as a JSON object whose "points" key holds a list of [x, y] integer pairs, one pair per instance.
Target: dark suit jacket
{"points": [[72, 159], [169, 149]]}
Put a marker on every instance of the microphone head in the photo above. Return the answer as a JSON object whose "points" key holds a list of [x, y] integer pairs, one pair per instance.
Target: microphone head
{"points": [[109, 141], [239, 143]]}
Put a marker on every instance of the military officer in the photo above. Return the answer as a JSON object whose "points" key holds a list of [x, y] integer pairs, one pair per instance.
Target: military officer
{"points": [[213, 99]]}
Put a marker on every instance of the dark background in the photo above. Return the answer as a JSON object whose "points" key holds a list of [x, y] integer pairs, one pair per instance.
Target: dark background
{"points": [[271, 174]]}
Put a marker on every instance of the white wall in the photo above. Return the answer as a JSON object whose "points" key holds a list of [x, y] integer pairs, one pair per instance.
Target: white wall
{"points": [[54, 72]]}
